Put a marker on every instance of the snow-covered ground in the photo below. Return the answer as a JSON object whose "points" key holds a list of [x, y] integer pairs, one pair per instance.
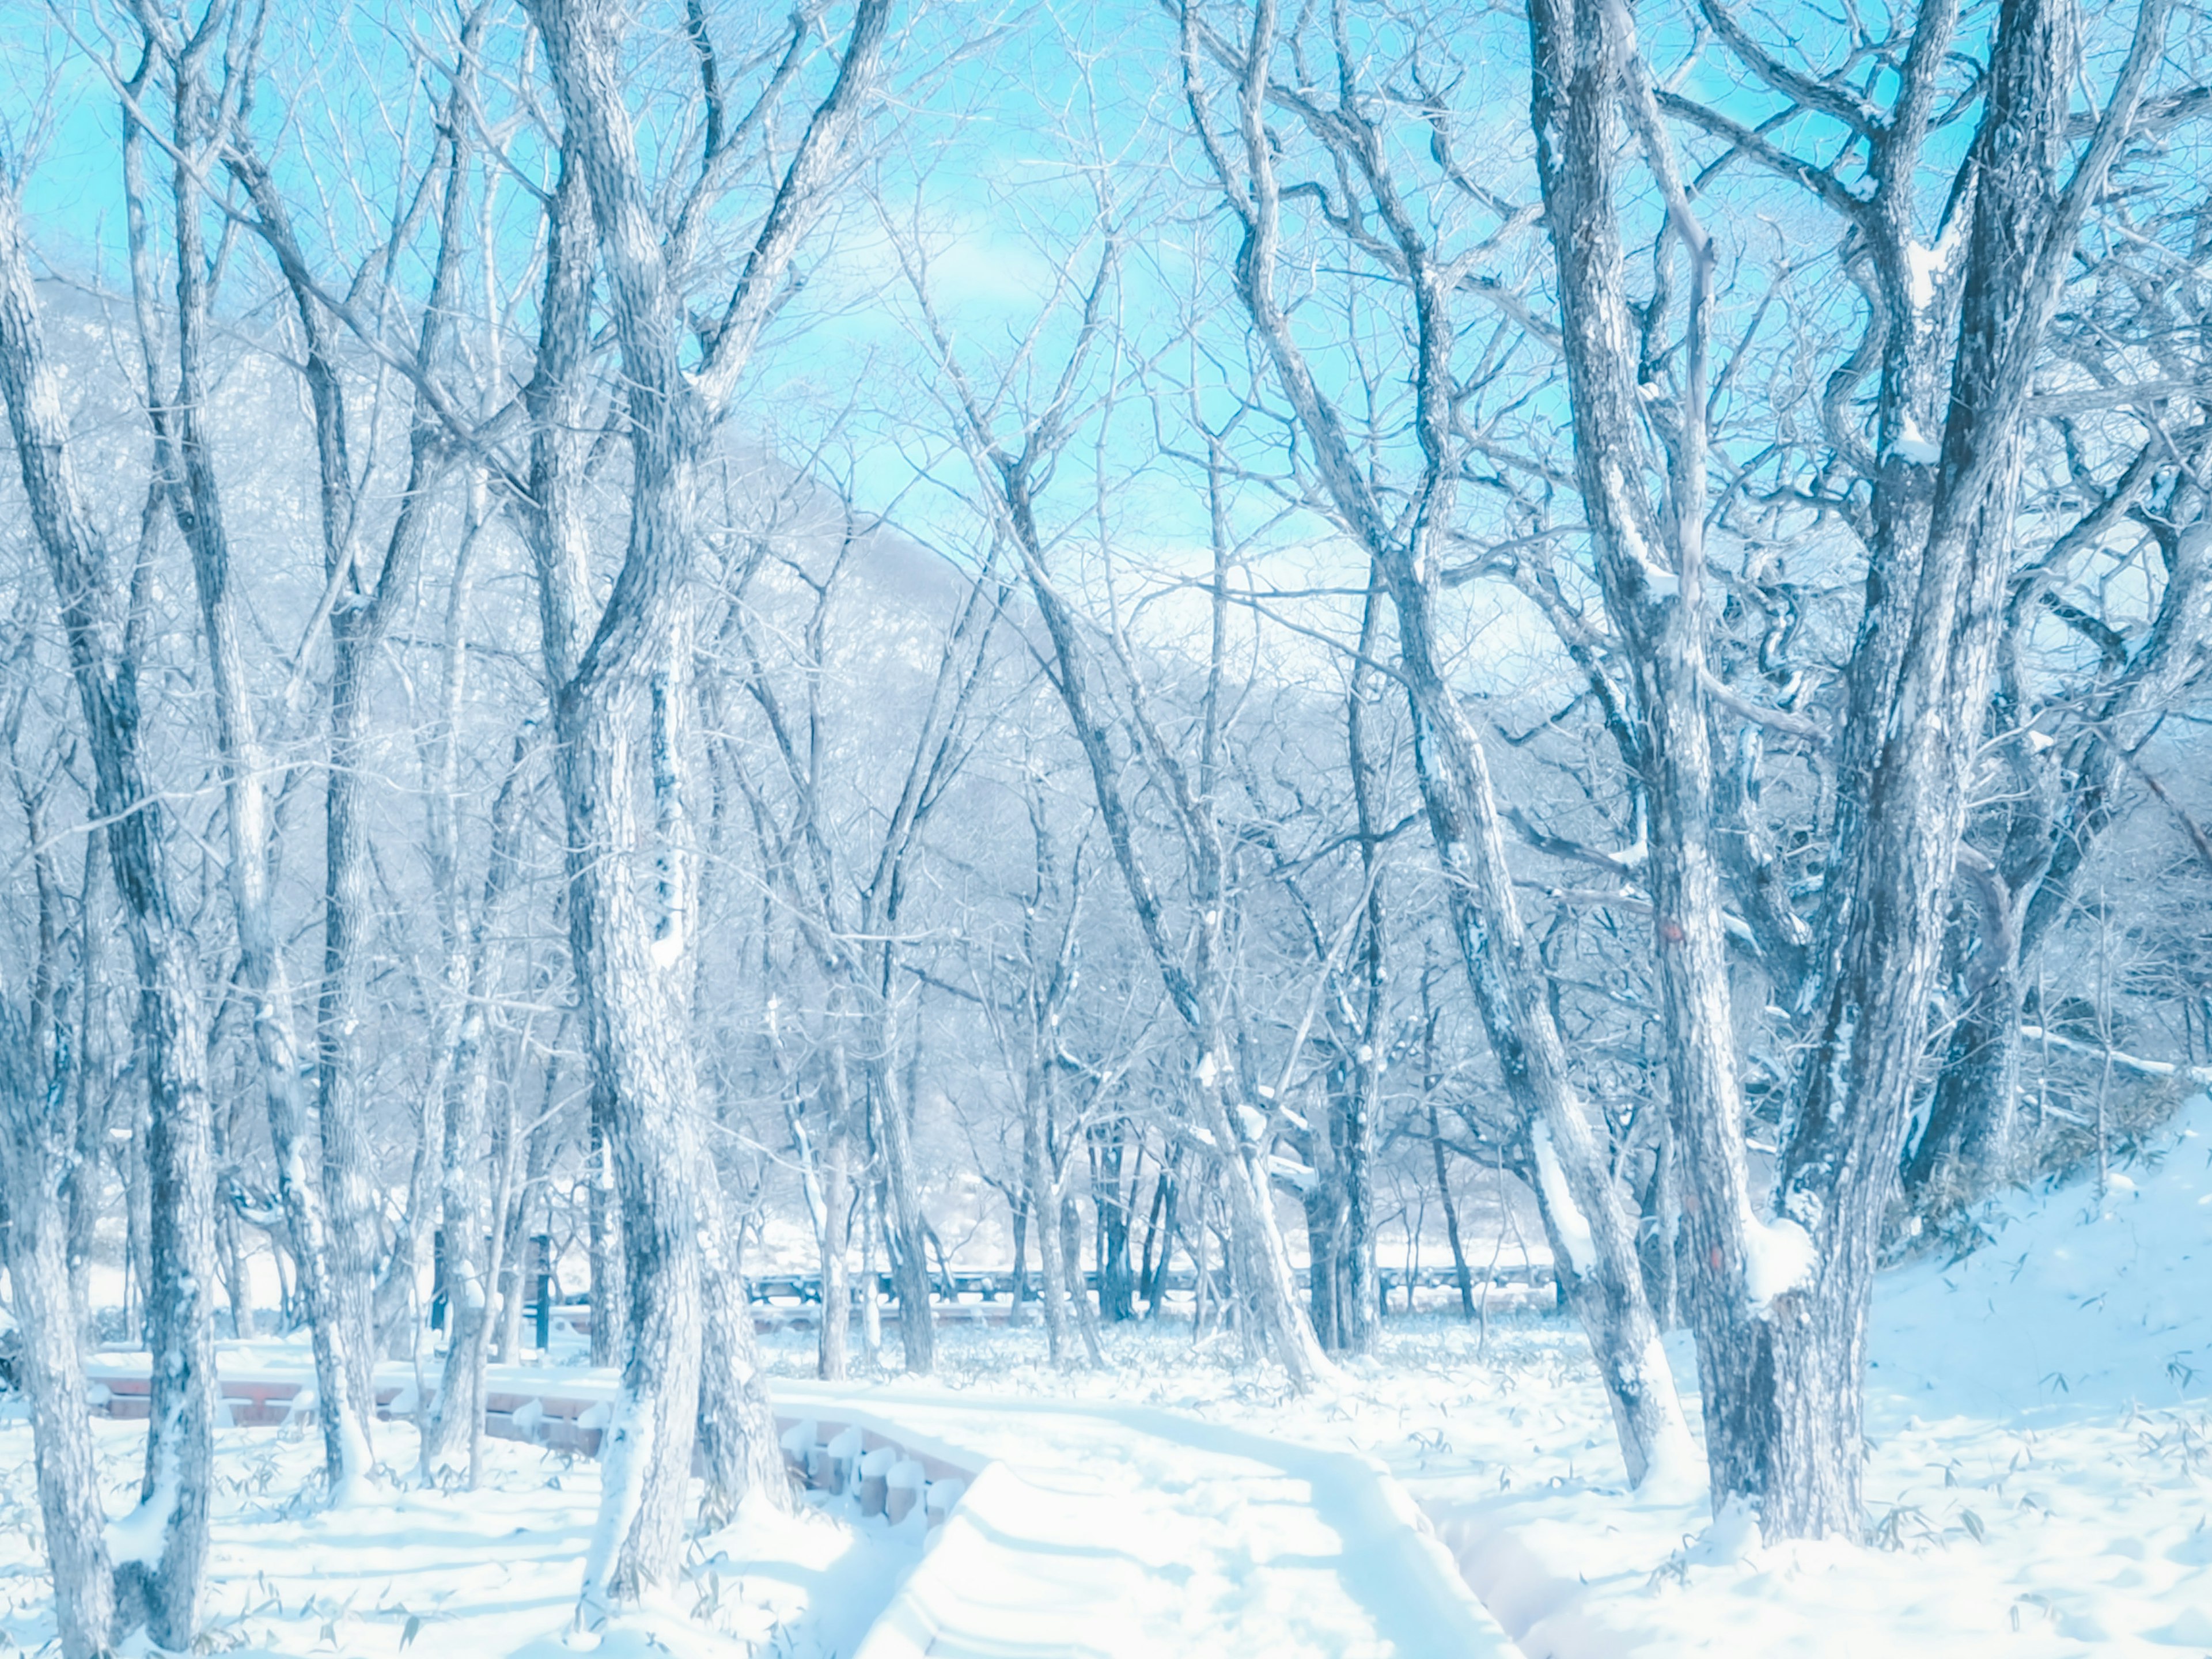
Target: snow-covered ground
{"points": [[459, 1575], [2040, 1419], [1124, 1531]]}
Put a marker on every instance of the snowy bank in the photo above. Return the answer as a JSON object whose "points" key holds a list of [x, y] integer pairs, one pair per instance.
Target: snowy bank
{"points": [[2040, 1477]]}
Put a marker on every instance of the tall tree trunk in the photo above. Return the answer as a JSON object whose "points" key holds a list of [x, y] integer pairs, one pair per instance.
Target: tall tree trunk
{"points": [[1780, 1307], [185, 463], [504, 1270], [137, 1220], [467, 1275], [1594, 1239], [633, 988], [354, 1241], [872, 1209], [634, 971], [1965, 1145], [468, 1216], [1355, 1127], [1352, 1124], [1018, 1217], [517, 1263], [333, 1286], [168, 1556], [1260, 1261], [36, 1135], [1799, 1448], [1156, 1283], [1406, 543], [641, 1063], [1431, 1081], [1659, 1234], [1195, 995], [1963, 1148], [362, 1304], [1163, 1182], [34, 1149], [1116, 1294]]}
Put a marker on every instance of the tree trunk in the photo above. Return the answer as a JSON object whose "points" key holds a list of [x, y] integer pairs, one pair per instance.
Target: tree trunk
{"points": [[34, 1149], [741, 1454], [1018, 1217], [1325, 1227], [1116, 1294], [872, 1209], [641, 1065], [354, 1241], [910, 1266], [84, 1178], [1962, 1148], [517, 1265], [367, 1307], [1156, 1281], [1407, 545], [1460, 1275], [471, 1190], [1594, 1240], [833, 1152], [470, 1275], [138, 1221], [229, 1241], [1261, 1263], [1965, 1148], [1037, 1179], [186, 463], [634, 971], [461, 1399], [1193, 993], [610, 1306], [168, 1566], [1353, 1126], [1780, 1307], [1659, 1234], [1087, 1311], [334, 1287]]}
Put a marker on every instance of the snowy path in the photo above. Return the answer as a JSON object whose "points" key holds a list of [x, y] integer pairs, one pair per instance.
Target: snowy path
{"points": [[1121, 1531], [1097, 1530]]}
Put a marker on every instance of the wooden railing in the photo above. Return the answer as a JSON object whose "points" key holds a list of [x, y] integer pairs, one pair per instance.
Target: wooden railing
{"points": [[844, 1451]]}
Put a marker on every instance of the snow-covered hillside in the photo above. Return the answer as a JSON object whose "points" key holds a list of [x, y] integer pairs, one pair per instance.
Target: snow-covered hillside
{"points": [[2040, 1419], [2074, 1308]]}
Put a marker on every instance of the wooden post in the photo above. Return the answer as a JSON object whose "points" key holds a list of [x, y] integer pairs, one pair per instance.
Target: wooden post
{"points": [[542, 1245]]}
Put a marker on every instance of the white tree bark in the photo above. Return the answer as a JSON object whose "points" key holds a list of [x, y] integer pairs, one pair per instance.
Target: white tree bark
{"points": [[635, 986], [166, 1570], [1779, 1304], [35, 1151], [1595, 1239]]}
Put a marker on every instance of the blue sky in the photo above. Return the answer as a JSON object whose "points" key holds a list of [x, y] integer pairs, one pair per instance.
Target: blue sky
{"points": [[1006, 129]]}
